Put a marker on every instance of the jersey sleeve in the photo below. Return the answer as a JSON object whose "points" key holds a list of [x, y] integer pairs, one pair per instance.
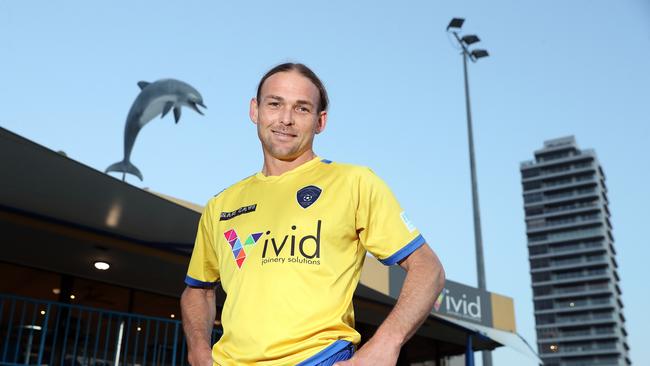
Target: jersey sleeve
{"points": [[203, 270], [384, 229]]}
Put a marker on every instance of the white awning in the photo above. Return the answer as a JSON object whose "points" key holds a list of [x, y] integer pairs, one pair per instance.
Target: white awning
{"points": [[508, 339]]}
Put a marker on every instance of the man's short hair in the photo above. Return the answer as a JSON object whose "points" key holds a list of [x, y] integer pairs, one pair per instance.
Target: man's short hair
{"points": [[304, 71]]}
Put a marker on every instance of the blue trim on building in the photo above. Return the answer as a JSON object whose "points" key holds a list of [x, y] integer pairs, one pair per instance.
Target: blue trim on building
{"points": [[404, 252], [328, 352], [196, 283], [326, 161]]}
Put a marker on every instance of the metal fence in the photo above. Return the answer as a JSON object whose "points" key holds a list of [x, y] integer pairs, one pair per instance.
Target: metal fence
{"points": [[37, 332]]}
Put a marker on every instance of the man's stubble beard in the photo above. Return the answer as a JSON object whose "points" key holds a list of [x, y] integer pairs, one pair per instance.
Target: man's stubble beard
{"points": [[283, 152]]}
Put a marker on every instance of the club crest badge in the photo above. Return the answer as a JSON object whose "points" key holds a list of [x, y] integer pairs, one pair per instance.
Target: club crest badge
{"points": [[308, 195]]}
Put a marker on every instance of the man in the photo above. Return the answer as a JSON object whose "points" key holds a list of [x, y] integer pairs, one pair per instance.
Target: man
{"points": [[288, 244]]}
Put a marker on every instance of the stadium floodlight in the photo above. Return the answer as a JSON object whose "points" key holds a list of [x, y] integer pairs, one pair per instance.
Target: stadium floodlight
{"points": [[470, 39], [456, 23], [476, 54]]}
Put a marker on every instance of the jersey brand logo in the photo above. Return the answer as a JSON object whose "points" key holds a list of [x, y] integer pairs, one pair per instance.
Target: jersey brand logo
{"points": [[308, 195], [240, 211], [239, 250], [296, 247]]}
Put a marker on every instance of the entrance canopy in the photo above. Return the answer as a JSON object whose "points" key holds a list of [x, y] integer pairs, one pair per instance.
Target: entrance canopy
{"points": [[508, 339]]}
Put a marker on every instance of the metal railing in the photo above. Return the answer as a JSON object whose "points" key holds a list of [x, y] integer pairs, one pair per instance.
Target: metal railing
{"points": [[38, 332]]}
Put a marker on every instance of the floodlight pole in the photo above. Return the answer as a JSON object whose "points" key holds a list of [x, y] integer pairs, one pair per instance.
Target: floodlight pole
{"points": [[478, 237]]}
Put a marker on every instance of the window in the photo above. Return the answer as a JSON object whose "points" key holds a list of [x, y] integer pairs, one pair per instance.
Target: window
{"points": [[29, 282], [543, 304], [100, 295], [530, 173], [554, 155], [156, 305], [538, 263], [548, 333], [535, 223], [533, 197], [545, 319], [541, 277], [45, 285], [542, 249], [532, 185], [534, 211]]}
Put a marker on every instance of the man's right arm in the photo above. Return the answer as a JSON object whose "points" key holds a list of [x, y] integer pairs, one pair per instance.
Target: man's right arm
{"points": [[198, 306]]}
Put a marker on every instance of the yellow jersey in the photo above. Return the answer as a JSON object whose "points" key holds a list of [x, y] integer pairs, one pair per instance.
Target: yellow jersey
{"points": [[288, 251]]}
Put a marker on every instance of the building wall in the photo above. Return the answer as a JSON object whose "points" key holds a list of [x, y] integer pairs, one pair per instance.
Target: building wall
{"points": [[577, 298]]}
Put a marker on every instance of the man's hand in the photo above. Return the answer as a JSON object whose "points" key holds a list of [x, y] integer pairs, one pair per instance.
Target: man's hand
{"points": [[201, 357], [424, 280], [374, 354]]}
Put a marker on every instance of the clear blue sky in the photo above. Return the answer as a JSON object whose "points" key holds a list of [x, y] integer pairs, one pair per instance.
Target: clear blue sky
{"points": [[69, 70]]}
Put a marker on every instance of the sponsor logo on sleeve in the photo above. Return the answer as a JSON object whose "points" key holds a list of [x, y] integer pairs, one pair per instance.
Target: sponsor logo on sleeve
{"points": [[407, 222]]}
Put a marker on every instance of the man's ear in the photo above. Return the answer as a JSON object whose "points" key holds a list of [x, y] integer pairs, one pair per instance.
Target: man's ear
{"points": [[253, 112], [322, 122]]}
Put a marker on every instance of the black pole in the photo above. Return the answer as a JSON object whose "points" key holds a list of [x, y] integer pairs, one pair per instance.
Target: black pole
{"points": [[478, 236]]}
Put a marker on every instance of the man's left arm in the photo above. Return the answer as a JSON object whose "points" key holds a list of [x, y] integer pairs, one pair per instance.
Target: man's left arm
{"points": [[425, 278]]}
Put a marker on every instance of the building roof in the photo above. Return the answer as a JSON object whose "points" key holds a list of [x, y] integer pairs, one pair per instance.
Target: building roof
{"points": [[41, 182]]}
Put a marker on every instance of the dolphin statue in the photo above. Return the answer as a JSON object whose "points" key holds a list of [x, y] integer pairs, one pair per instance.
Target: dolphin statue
{"points": [[156, 98]]}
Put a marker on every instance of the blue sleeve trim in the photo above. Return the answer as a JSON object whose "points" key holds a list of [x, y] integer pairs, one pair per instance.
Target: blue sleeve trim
{"points": [[196, 283], [326, 353], [405, 251], [326, 161]]}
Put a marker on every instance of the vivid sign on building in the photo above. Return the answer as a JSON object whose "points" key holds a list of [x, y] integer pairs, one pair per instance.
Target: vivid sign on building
{"points": [[456, 300]]}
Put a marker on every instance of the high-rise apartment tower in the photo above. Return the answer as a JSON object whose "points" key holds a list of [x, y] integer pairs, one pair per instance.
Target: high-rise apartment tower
{"points": [[576, 293]]}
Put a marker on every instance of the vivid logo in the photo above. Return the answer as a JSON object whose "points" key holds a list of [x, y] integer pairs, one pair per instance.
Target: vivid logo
{"points": [[460, 306], [239, 250]]}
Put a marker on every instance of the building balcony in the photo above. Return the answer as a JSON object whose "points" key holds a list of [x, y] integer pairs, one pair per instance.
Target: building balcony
{"points": [[563, 279], [581, 351], [580, 320], [572, 263], [598, 232], [578, 306], [575, 291], [564, 224], [574, 208], [581, 248], [548, 162], [559, 173], [562, 197], [565, 183], [588, 335], [591, 362]]}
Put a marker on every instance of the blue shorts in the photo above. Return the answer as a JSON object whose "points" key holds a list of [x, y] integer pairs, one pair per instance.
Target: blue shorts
{"points": [[337, 351]]}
